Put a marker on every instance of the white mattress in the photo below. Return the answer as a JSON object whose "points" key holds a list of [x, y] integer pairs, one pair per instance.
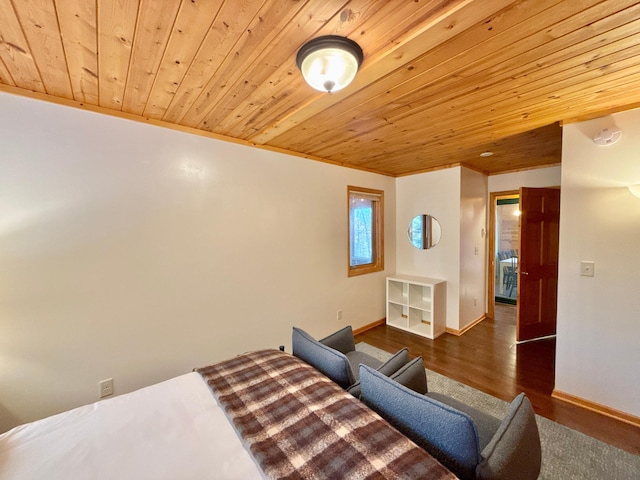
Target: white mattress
{"points": [[174, 430]]}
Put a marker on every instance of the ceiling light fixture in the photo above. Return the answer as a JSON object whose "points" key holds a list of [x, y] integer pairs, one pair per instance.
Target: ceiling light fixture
{"points": [[486, 154], [329, 63]]}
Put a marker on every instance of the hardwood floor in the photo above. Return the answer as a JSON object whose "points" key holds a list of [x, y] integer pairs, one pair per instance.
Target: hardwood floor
{"points": [[487, 358]]}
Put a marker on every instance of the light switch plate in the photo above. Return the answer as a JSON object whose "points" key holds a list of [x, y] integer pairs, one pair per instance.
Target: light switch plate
{"points": [[587, 269]]}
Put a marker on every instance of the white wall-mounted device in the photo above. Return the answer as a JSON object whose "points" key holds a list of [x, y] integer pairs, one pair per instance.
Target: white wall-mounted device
{"points": [[607, 136]]}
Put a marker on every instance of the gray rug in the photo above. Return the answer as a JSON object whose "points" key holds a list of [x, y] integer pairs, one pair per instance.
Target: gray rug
{"points": [[566, 453]]}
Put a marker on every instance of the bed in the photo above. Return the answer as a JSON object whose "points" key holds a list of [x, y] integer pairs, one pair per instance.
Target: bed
{"points": [[263, 414]]}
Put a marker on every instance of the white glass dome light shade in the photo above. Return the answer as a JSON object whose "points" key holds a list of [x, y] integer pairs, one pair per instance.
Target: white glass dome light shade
{"points": [[329, 69], [329, 63]]}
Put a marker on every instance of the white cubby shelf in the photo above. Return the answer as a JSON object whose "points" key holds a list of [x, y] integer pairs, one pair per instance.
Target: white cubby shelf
{"points": [[417, 304]]}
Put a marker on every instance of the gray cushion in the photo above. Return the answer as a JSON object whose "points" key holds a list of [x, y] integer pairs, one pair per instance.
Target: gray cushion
{"points": [[514, 451], [397, 361], [342, 340], [412, 375], [330, 362], [356, 358], [446, 433], [486, 424]]}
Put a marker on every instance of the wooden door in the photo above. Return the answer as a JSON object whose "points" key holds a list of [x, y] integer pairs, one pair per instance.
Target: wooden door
{"points": [[538, 262]]}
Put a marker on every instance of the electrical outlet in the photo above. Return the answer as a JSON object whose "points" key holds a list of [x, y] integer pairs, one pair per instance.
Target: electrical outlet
{"points": [[587, 269], [106, 387], [339, 315]]}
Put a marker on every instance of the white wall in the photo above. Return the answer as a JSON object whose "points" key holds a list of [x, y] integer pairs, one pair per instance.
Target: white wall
{"points": [[473, 246], [136, 252], [538, 178], [458, 198], [598, 346], [437, 194]]}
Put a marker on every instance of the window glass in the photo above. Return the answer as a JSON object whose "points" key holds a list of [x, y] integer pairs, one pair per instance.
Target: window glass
{"points": [[361, 231], [366, 250]]}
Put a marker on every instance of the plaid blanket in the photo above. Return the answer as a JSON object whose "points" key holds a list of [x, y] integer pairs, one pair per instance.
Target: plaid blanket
{"points": [[298, 424]]}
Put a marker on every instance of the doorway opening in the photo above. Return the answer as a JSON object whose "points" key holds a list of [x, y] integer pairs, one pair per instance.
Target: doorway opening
{"points": [[507, 213], [503, 250], [523, 258]]}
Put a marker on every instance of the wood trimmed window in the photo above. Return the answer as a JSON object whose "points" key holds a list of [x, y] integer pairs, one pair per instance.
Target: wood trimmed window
{"points": [[365, 208]]}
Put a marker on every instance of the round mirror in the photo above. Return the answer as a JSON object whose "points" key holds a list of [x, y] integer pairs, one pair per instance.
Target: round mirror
{"points": [[424, 232]]}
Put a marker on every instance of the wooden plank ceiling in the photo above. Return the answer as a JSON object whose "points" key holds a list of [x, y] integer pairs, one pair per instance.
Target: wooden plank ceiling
{"points": [[442, 81]]}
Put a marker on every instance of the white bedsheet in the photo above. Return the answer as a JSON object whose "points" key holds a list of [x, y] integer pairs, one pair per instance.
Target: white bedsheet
{"points": [[174, 430]]}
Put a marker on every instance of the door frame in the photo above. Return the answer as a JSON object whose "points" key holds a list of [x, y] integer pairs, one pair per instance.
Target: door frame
{"points": [[491, 250]]}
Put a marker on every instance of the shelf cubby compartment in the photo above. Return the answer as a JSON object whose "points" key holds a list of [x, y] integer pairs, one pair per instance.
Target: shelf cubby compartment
{"points": [[420, 322], [397, 315], [398, 292], [420, 296]]}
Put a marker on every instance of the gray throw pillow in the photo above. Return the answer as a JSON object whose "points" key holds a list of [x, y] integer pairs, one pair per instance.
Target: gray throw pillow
{"points": [[332, 363], [342, 340], [397, 361], [514, 451], [412, 375], [447, 434]]}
